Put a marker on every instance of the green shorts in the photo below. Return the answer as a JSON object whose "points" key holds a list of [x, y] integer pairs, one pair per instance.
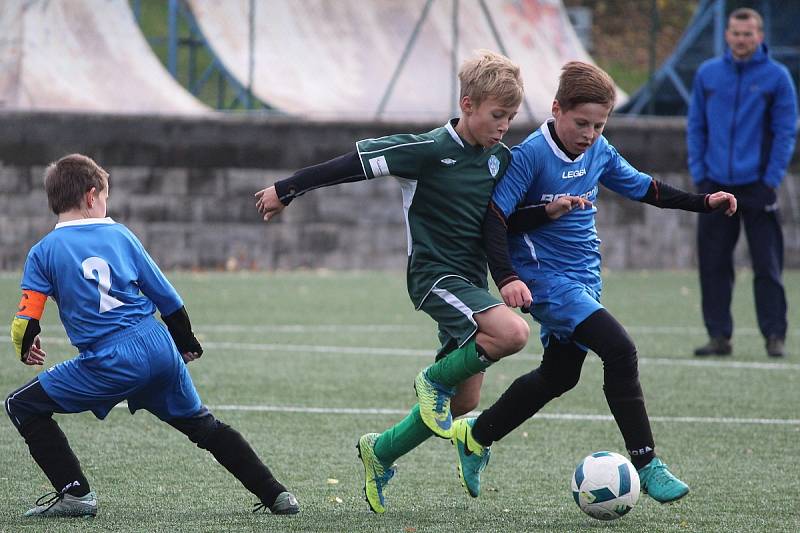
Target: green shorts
{"points": [[452, 302]]}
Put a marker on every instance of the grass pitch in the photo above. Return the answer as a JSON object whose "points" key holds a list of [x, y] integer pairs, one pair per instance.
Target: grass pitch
{"points": [[304, 363]]}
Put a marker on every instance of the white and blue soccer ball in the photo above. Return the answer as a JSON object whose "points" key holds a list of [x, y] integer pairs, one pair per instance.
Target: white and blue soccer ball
{"points": [[605, 485]]}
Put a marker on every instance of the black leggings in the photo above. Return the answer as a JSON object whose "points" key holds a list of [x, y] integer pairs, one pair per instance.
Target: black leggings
{"points": [[560, 371], [31, 411]]}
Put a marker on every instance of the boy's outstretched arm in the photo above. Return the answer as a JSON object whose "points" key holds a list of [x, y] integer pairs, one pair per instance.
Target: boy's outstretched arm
{"points": [[529, 218], [343, 169], [180, 329], [515, 292], [160, 291], [666, 196], [495, 238], [25, 328]]}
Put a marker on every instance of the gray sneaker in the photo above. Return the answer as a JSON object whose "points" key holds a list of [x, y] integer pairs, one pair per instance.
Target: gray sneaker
{"points": [[285, 503], [65, 504]]}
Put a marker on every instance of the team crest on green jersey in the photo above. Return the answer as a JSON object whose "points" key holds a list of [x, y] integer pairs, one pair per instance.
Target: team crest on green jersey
{"points": [[494, 165]]}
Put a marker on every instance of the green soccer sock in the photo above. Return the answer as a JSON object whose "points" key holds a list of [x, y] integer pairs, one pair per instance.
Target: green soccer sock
{"points": [[401, 438], [459, 365]]}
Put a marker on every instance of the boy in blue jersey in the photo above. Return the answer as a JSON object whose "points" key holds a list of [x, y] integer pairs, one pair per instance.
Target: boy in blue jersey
{"points": [[533, 234], [107, 288]]}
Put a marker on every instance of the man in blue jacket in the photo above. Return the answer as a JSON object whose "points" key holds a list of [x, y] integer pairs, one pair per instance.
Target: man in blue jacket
{"points": [[741, 134]]}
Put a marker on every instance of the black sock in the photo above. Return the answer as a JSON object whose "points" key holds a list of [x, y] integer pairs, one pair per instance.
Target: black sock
{"points": [[50, 449], [517, 404], [626, 400], [234, 453], [608, 339], [634, 425]]}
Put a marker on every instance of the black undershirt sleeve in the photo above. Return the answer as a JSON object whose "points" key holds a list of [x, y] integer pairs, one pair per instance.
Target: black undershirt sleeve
{"points": [[666, 196], [495, 237], [180, 329], [343, 169], [527, 219], [495, 240]]}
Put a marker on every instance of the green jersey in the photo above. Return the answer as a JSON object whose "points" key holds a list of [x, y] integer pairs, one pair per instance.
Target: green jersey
{"points": [[446, 185]]}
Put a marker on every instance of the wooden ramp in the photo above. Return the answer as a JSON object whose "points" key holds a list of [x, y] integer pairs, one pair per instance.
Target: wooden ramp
{"points": [[82, 55], [329, 59]]}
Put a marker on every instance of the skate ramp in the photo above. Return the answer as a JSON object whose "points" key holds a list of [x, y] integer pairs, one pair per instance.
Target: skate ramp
{"points": [[82, 55], [335, 59]]}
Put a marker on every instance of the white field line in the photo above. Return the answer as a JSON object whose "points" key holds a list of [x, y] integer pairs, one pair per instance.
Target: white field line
{"points": [[299, 328], [403, 328], [428, 354], [410, 328], [306, 328], [545, 416]]}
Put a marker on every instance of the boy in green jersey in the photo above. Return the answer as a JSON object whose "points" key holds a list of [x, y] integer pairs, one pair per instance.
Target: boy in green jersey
{"points": [[446, 176]]}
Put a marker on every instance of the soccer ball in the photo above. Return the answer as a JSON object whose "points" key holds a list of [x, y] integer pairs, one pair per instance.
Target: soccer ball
{"points": [[605, 485]]}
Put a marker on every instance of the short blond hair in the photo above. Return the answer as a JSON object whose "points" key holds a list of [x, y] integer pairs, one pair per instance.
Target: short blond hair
{"points": [[583, 83], [69, 178], [490, 74]]}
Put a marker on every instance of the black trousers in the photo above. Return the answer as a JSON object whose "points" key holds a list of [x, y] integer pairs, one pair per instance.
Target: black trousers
{"points": [[717, 236]]}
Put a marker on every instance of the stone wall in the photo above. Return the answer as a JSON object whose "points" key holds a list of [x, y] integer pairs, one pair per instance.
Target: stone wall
{"points": [[185, 187]]}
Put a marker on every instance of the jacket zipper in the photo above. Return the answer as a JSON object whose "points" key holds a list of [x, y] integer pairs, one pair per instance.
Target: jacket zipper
{"points": [[733, 121]]}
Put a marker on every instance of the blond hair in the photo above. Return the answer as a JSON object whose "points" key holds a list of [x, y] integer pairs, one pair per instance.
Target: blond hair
{"points": [[69, 178], [490, 74], [582, 83]]}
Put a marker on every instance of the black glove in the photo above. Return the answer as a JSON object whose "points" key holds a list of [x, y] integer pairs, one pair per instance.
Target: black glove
{"points": [[181, 330], [23, 334]]}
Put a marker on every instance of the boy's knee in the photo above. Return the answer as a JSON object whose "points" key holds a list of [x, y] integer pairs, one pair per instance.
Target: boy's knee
{"points": [[28, 402], [7, 405], [620, 354], [566, 382], [621, 370], [39, 429], [199, 429], [16, 418], [516, 336]]}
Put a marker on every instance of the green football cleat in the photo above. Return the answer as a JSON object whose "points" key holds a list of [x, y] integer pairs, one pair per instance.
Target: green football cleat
{"points": [[657, 481], [434, 405], [472, 456], [65, 504], [376, 474]]}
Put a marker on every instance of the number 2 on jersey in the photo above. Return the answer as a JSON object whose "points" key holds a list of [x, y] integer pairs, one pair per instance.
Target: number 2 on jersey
{"points": [[103, 279]]}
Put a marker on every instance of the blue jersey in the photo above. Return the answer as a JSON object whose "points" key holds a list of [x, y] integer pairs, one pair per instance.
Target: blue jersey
{"points": [[100, 276], [567, 247]]}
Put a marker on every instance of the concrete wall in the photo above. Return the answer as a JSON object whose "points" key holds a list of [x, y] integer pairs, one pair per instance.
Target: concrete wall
{"points": [[185, 186]]}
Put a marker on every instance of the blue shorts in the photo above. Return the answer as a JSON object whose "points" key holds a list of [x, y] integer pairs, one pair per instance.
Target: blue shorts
{"points": [[568, 304], [139, 364]]}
